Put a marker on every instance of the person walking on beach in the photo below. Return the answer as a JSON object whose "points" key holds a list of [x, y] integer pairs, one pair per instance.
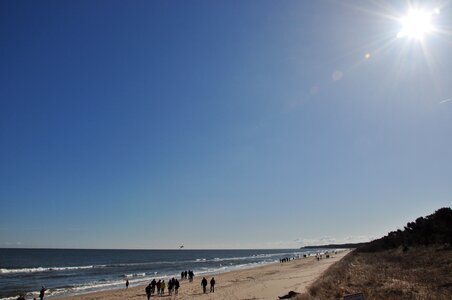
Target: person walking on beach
{"points": [[148, 291], [127, 284], [204, 284], [162, 288], [170, 287], [153, 283], [212, 285], [176, 287], [159, 284], [42, 292], [190, 275]]}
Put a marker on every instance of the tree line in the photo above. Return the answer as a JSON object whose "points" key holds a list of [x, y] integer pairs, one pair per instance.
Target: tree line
{"points": [[434, 229]]}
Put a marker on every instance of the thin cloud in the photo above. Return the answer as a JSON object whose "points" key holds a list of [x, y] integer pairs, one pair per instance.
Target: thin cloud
{"points": [[444, 101], [315, 242], [337, 75]]}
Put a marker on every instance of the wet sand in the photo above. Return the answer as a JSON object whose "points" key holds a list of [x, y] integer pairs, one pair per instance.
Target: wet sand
{"points": [[265, 282]]}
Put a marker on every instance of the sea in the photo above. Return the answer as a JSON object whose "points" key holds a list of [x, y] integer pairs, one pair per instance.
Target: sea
{"points": [[65, 272]]}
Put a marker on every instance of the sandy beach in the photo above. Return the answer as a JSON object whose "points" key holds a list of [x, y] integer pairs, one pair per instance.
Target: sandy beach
{"points": [[265, 282]]}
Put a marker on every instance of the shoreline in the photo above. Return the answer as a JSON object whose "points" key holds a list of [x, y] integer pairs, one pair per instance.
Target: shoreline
{"points": [[260, 282]]}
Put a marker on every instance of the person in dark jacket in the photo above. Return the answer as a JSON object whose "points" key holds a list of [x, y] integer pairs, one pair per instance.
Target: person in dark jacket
{"points": [[212, 285], [159, 286], [153, 283], [148, 291], [170, 287], [204, 284], [42, 293], [176, 287]]}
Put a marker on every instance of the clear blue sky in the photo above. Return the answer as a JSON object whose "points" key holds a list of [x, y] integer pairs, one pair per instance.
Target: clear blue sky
{"points": [[219, 124]]}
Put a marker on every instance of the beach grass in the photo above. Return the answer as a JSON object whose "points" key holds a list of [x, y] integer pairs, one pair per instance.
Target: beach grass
{"points": [[417, 273]]}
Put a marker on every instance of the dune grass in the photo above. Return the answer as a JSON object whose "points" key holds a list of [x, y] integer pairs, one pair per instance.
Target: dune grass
{"points": [[417, 273]]}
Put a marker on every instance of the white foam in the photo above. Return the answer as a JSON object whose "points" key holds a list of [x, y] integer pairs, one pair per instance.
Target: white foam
{"points": [[135, 275], [47, 269], [254, 256]]}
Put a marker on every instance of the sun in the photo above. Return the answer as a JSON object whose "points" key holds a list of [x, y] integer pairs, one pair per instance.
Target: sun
{"points": [[416, 24]]}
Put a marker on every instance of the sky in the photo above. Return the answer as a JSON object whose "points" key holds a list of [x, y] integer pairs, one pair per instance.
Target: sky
{"points": [[220, 124]]}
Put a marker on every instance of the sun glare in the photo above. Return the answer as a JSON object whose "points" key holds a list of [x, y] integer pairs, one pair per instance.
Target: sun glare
{"points": [[416, 24]]}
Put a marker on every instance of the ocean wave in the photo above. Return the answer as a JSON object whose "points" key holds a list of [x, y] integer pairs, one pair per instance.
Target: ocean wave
{"points": [[4, 271], [69, 268], [200, 259], [134, 275], [254, 256], [83, 288], [10, 298], [46, 269]]}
